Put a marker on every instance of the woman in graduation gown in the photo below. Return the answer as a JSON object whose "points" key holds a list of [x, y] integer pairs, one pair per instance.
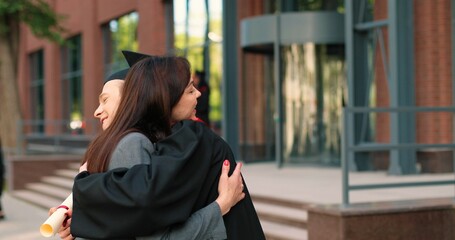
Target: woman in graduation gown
{"points": [[181, 179], [134, 148]]}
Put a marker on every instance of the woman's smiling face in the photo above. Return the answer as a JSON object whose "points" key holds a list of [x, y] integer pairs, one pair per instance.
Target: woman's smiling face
{"points": [[186, 106], [109, 100]]}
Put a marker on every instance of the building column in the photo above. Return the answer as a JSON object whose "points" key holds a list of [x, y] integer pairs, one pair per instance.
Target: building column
{"points": [[230, 122], [401, 85], [92, 64], [152, 27]]}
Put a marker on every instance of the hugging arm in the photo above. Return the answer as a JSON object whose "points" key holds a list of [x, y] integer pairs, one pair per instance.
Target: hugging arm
{"points": [[207, 223], [118, 203]]}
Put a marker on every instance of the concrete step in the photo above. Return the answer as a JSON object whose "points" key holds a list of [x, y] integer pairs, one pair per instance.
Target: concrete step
{"points": [[59, 181], [67, 173], [49, 190], [52, 190], [280, 202], [282, 219], [37, 199], [283, 215], [276, 231]]}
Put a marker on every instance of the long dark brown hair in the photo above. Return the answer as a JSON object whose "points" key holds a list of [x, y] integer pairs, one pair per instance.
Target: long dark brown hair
{"points": [[153, 86]]}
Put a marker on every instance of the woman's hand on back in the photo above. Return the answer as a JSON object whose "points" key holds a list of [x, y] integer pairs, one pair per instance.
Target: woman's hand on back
{"points": [[230, 188]]}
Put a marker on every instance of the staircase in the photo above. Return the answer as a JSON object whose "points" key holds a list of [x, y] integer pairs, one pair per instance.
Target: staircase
{"points": [[281, 219], [51, 190]]}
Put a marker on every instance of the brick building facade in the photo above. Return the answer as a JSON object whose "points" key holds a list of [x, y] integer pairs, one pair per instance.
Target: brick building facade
{"points": [[84, 19], [313, 74]]}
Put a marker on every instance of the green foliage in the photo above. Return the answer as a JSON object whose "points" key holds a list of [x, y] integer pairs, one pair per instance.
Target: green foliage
{"points": [[124, 36], [37, 14], [195, 57]]}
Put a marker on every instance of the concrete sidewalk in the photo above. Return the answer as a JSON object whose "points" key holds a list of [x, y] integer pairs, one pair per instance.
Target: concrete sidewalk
{"points": [[300, 183], [323, 185], [22, 221]]}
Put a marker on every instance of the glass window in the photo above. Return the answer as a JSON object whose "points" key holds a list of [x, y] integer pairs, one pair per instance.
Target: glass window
{"points": [[72, 86], [315, 5], [37, 91], [119, 34], [270, 6], [198, 37]]}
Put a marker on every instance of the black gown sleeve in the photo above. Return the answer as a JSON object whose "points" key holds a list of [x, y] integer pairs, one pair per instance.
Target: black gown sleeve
{"points": [[181, 179], [241, 221]]}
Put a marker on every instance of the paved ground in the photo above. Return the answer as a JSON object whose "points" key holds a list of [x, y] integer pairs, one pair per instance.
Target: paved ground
{"points": [[323, 185], [309, 184], [22, 220]]}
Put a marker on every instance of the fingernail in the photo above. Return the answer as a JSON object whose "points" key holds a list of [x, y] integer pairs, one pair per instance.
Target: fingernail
{"points": [[226, 163]]}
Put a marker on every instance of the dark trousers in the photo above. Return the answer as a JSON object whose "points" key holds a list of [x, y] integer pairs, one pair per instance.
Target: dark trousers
{"points": [[2, 177], [1, 190]]}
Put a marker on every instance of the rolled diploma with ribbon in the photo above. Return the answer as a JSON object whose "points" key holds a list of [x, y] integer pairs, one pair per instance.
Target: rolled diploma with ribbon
{"points": [[53, 223]]}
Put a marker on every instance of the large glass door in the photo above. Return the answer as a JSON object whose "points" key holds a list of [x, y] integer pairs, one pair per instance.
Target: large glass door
{"points": [[313, 78], [257, 107]]}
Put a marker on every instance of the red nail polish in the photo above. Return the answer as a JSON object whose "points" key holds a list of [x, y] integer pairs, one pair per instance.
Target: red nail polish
{"points": [[226, 163]]}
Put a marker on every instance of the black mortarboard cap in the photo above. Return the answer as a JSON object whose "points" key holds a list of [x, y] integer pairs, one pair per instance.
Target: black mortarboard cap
{"points": [[119, 75], [133, 57]]}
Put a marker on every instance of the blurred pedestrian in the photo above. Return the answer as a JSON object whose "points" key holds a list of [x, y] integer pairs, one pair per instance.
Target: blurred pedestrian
{"points": [[2, 177], [202, 107]]}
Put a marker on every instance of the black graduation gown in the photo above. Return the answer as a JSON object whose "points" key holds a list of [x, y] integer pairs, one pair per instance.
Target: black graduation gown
{"points": [[181, 179]]}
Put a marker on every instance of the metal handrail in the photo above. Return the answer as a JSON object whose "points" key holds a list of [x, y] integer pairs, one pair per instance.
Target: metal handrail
{"points": [[348, 148], [53, 142]]}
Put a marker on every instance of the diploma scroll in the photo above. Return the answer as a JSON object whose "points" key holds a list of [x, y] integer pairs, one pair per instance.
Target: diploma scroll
{"points": [[53, 223]]}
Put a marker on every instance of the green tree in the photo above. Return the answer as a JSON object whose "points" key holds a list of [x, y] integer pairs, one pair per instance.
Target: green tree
{"points": [[43, 23]]}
